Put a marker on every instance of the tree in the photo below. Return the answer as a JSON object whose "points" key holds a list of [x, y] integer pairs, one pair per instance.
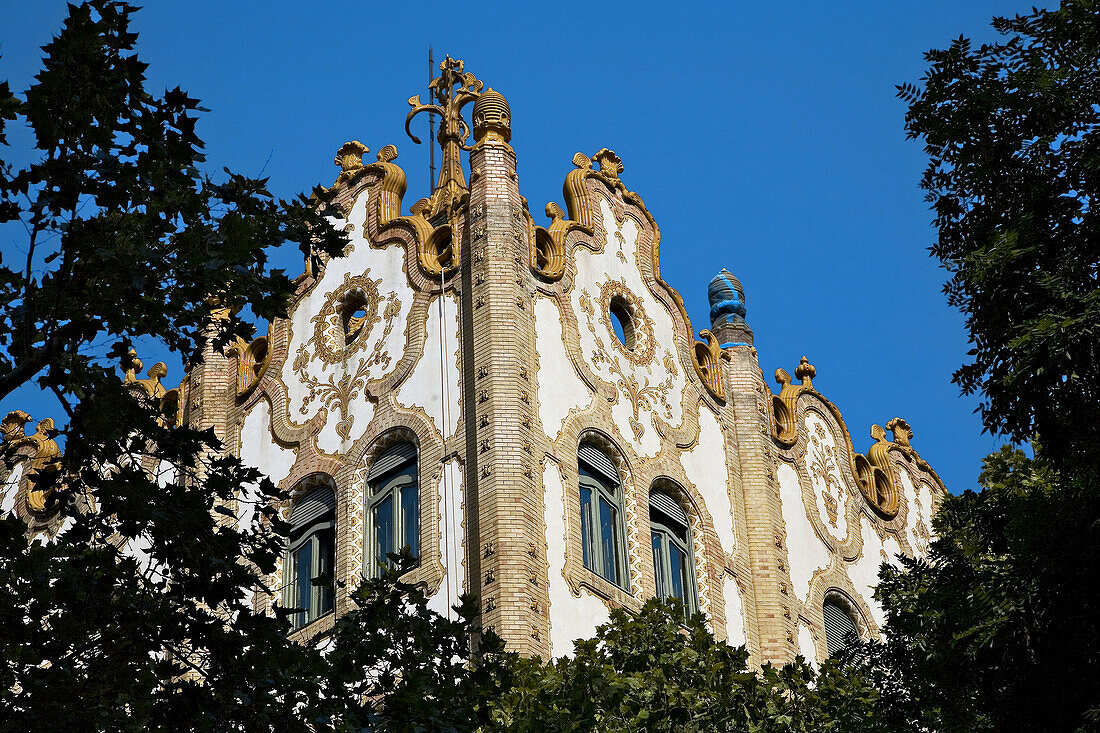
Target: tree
{"points": [[647, 672], [137, 616], [1012, 131], [998, 628]]}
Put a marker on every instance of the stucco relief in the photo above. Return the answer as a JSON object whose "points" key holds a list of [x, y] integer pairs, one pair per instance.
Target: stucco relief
{"points": [[347, 330], [918, 501], [644, 371], [823, 461]]}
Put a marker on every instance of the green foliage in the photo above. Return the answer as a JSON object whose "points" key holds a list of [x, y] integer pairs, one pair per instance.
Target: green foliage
{"points": [[647, 672], [138, 616], [413, 666], [998, 628], [1012, 131]]}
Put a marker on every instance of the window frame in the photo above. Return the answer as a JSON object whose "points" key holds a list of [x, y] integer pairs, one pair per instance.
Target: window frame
{"points": [[600, 487], [664, 533], [378, 489], [314, 533], [844, 608]]}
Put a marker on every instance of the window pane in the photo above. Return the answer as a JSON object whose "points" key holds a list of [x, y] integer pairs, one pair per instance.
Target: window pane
{"points": [[326, 550], [610, 569], [383, 532], [410, 518], [659, 566], [586, 528], [302, 572], [678, 562]]}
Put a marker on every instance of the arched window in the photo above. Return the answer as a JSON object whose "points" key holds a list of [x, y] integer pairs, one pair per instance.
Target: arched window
{"points": [[393, 507], [603, 537], [840, 628], [673, 562], [308, 567]]}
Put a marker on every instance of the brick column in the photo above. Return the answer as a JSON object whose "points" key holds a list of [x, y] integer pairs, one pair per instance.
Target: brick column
{"points": [[500, 343]]}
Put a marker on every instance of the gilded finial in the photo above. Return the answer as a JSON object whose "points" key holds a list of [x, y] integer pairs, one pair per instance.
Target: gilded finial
{"points": [[805, 371], [901, 431], [350, 155], [492, 117], [609, 163]]}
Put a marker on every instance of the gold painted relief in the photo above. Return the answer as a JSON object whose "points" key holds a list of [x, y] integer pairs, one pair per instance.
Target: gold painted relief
{"points": [[823, 462], [343, 327], [644, 396]]}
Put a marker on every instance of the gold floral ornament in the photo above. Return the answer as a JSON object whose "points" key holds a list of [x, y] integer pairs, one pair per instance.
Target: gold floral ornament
{"points": [[617, 301], [706, 357], [342, 327], [42, 453], [345, 320]]}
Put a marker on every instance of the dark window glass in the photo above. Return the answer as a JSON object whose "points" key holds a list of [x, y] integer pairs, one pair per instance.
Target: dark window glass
{"points": [[393, 496], [602, 534], [309, 564], [673, 567]]}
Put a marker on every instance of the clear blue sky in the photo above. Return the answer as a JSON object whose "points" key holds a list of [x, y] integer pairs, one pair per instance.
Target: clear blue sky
{"points": [[764, 137]]}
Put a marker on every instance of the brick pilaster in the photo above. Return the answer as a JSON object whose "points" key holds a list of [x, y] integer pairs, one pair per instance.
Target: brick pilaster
{"points": [[500, 341]]}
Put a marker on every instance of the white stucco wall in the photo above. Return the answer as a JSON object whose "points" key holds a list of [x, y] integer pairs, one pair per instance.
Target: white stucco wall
{"points": [[260, 450], [806, 645], [806, 554], [656, 387], [560, 389], [424, 388], [735, 614], [10, 490], [452, 539], [864, 571], [571, 618], [705, 465]]}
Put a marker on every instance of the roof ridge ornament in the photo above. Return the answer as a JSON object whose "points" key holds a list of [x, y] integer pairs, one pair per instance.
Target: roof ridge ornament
{"points": [[453, 89]]}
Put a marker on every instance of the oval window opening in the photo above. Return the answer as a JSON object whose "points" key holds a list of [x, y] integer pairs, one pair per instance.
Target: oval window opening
{"points": [[622, 322]]}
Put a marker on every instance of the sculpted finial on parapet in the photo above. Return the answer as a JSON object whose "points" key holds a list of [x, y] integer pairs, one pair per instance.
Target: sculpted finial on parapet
{"points": [[901, 431], [492, 117], [805, 372], [350, 155], [727, 310], [609, 163], [452, 90]]}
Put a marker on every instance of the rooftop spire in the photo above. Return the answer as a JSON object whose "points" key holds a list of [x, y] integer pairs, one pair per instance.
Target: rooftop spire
{"points": [[452, 90]]}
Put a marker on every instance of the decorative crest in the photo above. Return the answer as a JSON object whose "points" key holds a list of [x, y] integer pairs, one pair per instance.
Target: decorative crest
{"points": [[452, 90]]}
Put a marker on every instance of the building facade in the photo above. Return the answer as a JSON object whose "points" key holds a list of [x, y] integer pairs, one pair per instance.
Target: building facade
{"points": [[527, 407]]}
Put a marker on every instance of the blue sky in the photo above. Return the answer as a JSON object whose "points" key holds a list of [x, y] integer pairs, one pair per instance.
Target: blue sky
{"points": [[764, 138]]}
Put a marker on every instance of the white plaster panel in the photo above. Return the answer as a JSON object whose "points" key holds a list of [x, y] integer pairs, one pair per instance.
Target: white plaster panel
{"points": [[735, 616], [560, 389], [424, 387], [806, 645], [806, 554], [918, 501], [10, 490], [571, 618], [313, 384], [705, 465], [645, 391], [452, 540], [823, 460], [864, 571], [259, 449]]}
